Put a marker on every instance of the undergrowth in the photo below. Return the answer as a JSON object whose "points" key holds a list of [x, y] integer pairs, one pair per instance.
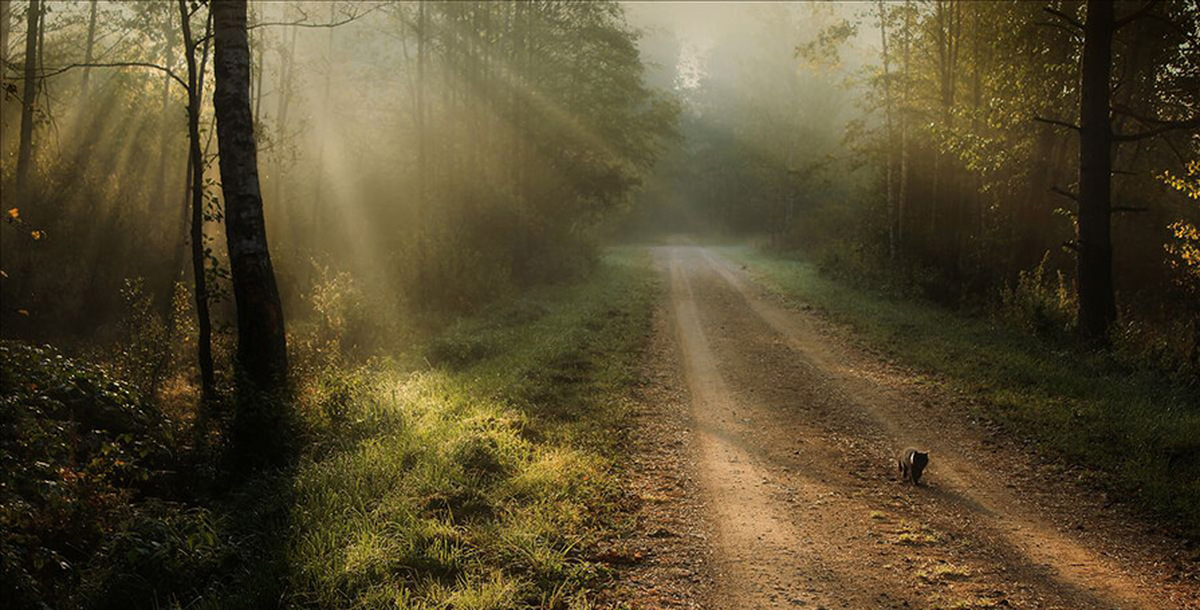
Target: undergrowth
{"points": [[472, 470], [1138, 426]]}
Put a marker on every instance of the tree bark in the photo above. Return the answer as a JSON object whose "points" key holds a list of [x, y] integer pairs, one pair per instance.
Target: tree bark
{"points": [[196, 159], [1097, 303], [25, 147], [262, 345]]}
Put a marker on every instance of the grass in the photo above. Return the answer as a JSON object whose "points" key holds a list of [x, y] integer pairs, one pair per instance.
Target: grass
{"points": [[913, 534], [941, 572], [473, 469], [481, 480], [1137, 428]]}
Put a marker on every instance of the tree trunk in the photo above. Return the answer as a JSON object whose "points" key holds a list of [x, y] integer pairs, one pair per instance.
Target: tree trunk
{"points": [[902, 195], [887, 147], [287, 56], [160, 178], [262, 345], [1097, 304], [25, 147], [89, 46], [196, 158], [422, 148], [319, 182], [258, 46]]}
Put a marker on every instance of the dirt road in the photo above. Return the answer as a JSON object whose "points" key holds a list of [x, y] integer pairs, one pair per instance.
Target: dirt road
{"points": [[790, 449]]}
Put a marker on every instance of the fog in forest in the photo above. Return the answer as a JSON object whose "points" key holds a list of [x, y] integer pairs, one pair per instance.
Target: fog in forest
{"points": [[257, 224]]}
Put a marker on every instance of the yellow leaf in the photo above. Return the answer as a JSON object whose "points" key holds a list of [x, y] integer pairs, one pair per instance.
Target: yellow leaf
{"points": [[13, 213], [37, 235], [3, 274], [23, 312]]}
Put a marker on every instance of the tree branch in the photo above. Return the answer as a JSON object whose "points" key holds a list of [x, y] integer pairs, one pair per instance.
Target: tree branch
{"points": [[1135, 15], [48, 72], [1065, 17], [1162, 127], [1056, 122], [302, 22], [1058, 26], [1065, 193]]}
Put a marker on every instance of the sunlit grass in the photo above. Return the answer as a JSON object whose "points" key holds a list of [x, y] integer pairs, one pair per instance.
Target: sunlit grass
{"points": [[479, 484], [1138, 428]]}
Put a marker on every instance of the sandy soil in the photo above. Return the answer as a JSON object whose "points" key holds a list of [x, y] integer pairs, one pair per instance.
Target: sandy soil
{"points": [[766, 476]]}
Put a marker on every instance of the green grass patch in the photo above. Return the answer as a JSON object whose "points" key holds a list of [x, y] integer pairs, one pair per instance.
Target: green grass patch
{"points": [[480, 481], [1139, 428]]}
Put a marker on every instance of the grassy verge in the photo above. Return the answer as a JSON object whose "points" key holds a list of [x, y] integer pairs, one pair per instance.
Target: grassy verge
{"points": [[1139, 429], [473, 470], [480, 480]]}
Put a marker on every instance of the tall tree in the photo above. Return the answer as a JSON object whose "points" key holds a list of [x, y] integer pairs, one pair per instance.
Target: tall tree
{"points": [[262, 345], [1097, 305], [887, 119], [25, 147], [195, 84], [88, 49]]}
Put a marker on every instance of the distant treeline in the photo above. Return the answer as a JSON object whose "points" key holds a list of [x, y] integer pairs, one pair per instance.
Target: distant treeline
{"points": [[937, 145]]}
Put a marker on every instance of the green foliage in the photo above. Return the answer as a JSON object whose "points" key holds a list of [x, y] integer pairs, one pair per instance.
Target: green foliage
{"points": [[76, 447], [1038, 305], [144, 356], [340, 312], [164, 551]]}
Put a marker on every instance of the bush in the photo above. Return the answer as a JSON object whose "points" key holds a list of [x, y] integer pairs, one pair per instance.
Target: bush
{"points": [[144, 355], [1037, 305], [76, 446]]}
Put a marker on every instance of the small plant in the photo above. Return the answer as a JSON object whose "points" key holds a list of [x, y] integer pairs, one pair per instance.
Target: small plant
{"points": [[941, 572], [144, 356], [1038, 305], [79, 446], [338, 305]]}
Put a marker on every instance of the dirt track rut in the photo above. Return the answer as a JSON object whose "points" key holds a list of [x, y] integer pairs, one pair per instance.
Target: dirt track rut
{"points": [[793, 429]]}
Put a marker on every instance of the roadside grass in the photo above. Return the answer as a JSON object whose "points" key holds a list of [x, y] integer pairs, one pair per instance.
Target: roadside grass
{"points": [[1138, 428], [482, 479], [475, 468]]}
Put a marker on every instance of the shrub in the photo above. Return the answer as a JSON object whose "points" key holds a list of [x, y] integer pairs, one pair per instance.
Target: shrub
{"points": [[1038, 305], [76, 446]]}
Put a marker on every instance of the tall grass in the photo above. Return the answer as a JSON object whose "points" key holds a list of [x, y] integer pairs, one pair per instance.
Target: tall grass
{"points": [[481, 480]]}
